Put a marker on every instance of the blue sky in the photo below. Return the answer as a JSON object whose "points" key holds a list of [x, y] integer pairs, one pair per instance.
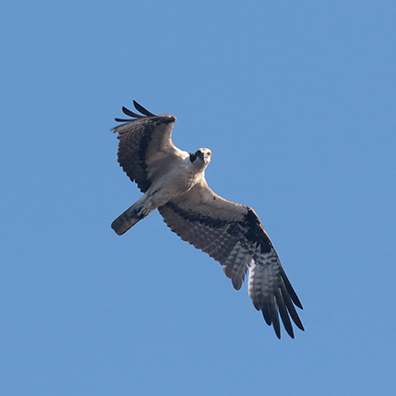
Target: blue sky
{"points": [[297, 102]]}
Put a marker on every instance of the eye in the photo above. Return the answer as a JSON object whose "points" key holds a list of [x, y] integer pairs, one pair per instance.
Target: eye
{"points": [[209, 154]]}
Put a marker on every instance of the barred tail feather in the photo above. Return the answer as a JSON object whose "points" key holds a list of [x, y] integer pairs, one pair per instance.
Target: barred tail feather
{"points": [[125, 221]]}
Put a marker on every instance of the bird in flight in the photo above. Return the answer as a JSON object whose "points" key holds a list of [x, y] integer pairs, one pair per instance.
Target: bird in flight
{"points": [[173, 181]]}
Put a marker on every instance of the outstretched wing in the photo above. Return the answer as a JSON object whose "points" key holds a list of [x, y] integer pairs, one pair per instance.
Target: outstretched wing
{"points": [[145, 148], [233, 235]]}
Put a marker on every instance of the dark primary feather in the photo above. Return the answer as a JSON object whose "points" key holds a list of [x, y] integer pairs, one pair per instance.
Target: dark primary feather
{"points": [[135, 115], [140, 108]]}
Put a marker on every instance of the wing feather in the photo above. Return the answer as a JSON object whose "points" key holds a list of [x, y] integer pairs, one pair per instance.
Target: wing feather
{"points": [[233, 235], [283, 313], [142, 110], [237, 276], [145, 145]]}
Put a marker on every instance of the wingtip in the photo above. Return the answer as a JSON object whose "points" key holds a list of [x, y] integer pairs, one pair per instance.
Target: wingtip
{"points": [[142, 110]]}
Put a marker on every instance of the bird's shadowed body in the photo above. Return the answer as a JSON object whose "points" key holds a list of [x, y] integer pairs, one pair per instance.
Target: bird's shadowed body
{"points": [[173, 181]]}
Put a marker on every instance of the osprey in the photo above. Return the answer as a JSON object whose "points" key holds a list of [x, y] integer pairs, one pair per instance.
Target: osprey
{"points": [[173, 181]]}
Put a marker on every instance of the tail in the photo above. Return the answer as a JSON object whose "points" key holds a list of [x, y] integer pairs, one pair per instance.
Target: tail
{"points": [[125, 221]]}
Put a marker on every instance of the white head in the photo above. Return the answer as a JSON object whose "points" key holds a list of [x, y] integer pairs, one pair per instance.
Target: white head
{"points": [[201, 158]]}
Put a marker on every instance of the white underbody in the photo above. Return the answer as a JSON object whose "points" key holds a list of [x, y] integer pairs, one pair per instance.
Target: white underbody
{"points": [[175, 182]]}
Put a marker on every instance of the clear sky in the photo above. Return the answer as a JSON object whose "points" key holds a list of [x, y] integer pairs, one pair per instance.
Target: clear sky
{"points": [[296, 100]]}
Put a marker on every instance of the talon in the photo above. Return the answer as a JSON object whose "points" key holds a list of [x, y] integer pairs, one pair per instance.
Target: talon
{"points": [[142, 213]]}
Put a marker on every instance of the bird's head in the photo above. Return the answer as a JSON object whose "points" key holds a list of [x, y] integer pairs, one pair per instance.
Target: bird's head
{"points": [[201, 158]]}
